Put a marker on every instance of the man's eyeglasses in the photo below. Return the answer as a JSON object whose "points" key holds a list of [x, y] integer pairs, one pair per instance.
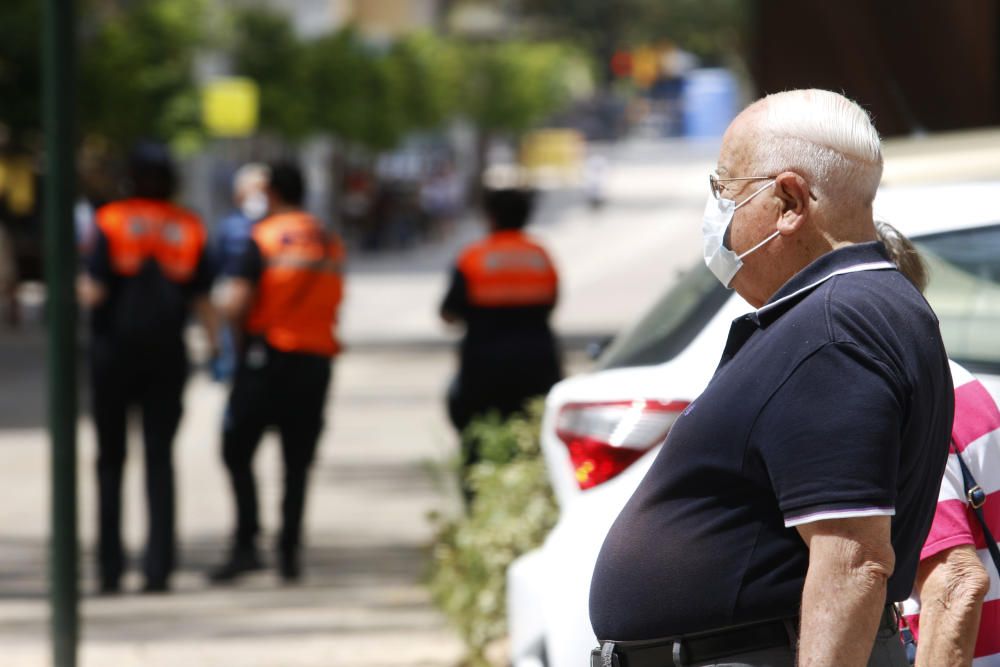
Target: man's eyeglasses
{"points": [[715, 183], [717, 187]]}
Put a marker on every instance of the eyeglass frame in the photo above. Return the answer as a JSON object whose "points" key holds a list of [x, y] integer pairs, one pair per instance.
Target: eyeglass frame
{"points": [[714, 183]]}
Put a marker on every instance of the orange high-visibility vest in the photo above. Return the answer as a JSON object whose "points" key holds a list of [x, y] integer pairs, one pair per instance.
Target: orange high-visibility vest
{"points": [[508, 269], [138, 230], [300, 289]]}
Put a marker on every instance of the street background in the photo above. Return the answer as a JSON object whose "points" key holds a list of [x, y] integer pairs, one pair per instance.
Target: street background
{"points": [[399, 111], [378, 474]]}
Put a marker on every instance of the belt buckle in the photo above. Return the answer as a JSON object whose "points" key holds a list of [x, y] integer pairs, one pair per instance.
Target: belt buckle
{"points": [[679, 653], [605, 656], [608, 656]]}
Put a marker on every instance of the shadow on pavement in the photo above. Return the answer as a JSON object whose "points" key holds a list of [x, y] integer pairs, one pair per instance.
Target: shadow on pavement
{"points": [[378, 585]]}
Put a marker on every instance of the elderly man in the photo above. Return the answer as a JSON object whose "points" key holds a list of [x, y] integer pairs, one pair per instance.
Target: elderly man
{"points": [[786, 511]]}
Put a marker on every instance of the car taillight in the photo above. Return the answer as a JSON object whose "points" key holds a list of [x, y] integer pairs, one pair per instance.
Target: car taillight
{"points": [[604, 439]]}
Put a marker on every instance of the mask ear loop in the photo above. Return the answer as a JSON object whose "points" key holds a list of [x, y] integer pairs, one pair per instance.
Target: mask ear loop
{"points": [[755, 193], [744, 254], [776, 232]]}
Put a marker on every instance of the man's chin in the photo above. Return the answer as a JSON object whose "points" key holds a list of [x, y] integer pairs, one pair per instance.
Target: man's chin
{"points": [[740, 287]]}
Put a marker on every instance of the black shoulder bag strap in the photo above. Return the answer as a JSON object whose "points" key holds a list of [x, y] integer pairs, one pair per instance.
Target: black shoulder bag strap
{"points": [[977, 498]]}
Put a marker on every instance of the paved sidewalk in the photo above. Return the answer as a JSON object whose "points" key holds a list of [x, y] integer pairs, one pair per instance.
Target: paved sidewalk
{"points": [[361, 600]]}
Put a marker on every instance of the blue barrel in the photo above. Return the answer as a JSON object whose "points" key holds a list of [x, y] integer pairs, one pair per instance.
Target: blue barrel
{"points": [[709, 102]]}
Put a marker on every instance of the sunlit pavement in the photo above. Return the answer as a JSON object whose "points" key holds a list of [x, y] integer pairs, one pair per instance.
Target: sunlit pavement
{"points": [[361, 599]]}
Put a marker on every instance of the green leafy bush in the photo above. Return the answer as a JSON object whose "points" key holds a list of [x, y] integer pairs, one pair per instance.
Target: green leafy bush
{"points": [[512, 512]]}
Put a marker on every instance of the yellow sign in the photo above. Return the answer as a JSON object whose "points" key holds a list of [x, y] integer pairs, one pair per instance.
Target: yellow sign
{"points": [[229, 107], [17, 184], [557, 148], [552, 157]]}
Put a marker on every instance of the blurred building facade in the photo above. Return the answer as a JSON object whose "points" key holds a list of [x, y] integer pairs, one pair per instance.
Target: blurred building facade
{"points": [[918, 66]]}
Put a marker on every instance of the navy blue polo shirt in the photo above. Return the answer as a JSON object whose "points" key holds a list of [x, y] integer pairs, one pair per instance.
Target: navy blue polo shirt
{"points": [[832, 400]]}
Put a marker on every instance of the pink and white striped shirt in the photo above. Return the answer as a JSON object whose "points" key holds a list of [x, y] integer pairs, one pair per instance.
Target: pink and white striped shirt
{"points": [[976, 434]]}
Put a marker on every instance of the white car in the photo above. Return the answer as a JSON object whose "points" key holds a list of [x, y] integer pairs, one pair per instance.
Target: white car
{"points": [[602, 429]]}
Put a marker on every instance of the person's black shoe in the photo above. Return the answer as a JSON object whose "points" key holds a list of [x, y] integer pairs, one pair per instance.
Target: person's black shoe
{"points": [[289, 566], [110, 587], [155, 586], [240, 562]]}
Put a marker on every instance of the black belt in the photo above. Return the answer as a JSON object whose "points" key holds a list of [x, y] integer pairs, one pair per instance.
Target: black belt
{"points": [[707, 646]]}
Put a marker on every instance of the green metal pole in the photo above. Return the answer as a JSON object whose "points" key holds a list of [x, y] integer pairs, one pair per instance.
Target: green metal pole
{"points": [[58, 45]]}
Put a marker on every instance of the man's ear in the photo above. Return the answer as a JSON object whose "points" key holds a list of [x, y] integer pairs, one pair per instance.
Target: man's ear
{"points": [[793, 191]]}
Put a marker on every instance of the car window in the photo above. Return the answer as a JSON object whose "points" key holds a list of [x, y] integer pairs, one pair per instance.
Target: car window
{"points": [[964, 291], [671, 324]]}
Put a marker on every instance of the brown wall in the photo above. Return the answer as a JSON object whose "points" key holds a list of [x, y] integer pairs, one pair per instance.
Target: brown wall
{"points": [[914, 64]]}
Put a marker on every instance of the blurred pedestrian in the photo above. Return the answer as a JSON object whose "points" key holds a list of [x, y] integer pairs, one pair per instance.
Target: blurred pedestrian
{"points": [[595, 176], [229, 243], [503, 289], [148, 268], [441, 200], [249, 205], [785, 513], [283, 295], [948, 614]]}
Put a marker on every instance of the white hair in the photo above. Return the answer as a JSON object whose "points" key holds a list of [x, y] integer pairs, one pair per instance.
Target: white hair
{"points": [[250, 176], [825, 137]]}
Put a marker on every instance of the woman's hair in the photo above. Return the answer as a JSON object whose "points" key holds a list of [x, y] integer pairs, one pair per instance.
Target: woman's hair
{"points": [[903, 254], [824, 136]]}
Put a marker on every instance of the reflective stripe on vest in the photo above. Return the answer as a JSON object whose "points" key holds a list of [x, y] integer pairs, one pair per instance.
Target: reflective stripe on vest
{"points": [[138, 230], [301, 285], [508, 269]]}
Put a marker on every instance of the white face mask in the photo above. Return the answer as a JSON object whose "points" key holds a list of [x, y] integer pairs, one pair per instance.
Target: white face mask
{"points": [[722, 261], [254, 206]]}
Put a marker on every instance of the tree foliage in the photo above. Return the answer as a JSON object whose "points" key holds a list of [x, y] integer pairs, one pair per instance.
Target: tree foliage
{"points": [[341, 85], [711, 29], [338, 84], [20, 68], [430, 71], [262, 46], [136, 72], [137, 75], [135, 69], [354, 93], [512, 86]]}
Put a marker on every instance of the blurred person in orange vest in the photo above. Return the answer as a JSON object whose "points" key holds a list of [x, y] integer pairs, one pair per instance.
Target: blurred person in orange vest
{"points": [[283, 295], [503, 289], [147, 268]]}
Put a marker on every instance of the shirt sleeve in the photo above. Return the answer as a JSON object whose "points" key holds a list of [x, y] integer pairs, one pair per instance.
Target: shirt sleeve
{"points": [[830, 437], [951, 526], [456, 300], [249, 264], [201, 283], [98, 261]]}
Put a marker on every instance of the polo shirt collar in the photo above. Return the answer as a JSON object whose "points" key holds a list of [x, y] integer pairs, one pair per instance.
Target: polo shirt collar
{"points": [[849, 259]]}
